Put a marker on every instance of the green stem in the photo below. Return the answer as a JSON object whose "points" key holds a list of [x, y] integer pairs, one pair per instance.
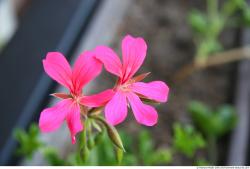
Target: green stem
{"points": [[212, 9], [84, 138], [89, 127], [84, 152]]}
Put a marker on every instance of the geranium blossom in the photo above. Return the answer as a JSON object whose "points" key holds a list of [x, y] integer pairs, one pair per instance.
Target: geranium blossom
{"points": [[86, 68], [128, 89]]}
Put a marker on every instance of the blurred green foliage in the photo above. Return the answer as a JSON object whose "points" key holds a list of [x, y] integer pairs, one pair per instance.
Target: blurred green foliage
{"points": [[29, 141], [187, 140], [201, 162], [143, 152], [213, 122], [147, 152], [140, 147], [52, 156], [208, 26]]}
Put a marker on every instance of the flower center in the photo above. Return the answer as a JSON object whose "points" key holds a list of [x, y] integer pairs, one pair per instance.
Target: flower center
{"points": [[126, 87], [76, 98]]}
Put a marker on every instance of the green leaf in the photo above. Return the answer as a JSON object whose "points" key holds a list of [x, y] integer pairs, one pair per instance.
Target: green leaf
{"points": [[51, 155], [215, 27], [145, 143], [34, 130], [127, 140], [197, 21], [146, 148], [232, 6], [161, 157], [246, 17], [105, 151], [213, 123], [186, 140], [224, 119], [202, 115], [130, 159], [29, 142]]}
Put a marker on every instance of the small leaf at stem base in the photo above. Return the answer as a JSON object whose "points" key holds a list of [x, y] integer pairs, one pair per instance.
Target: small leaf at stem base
{"points": [[61, 95]]}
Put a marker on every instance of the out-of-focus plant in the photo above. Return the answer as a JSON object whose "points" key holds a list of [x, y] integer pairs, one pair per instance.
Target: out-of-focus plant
{"points": [[140, 148], [207, 28], [213, 123], [102, 151], [147, 152], [28, 141], [187, 140], [201, 162]]}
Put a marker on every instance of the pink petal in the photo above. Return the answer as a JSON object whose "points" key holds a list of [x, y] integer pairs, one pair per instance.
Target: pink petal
{"points": [[86, 68], [133, 54], [57, 67], [144, 114], [156, 90], [99, 99], [110, 60], [74, 121], [52, 118], [116, 109]]}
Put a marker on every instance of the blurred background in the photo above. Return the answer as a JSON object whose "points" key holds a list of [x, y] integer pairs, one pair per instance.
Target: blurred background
{"points": [[199, 48]]}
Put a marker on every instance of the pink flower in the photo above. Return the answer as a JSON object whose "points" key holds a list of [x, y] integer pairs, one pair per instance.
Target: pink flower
{"points": [[86, 68], [129, 89]]}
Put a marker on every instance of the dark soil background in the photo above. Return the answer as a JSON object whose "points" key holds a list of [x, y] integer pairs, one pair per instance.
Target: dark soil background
{"points": [[163, 24]]}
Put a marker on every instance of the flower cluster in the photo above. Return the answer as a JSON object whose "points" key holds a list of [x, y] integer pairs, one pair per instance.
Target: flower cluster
{"points": [[128, 90]]}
